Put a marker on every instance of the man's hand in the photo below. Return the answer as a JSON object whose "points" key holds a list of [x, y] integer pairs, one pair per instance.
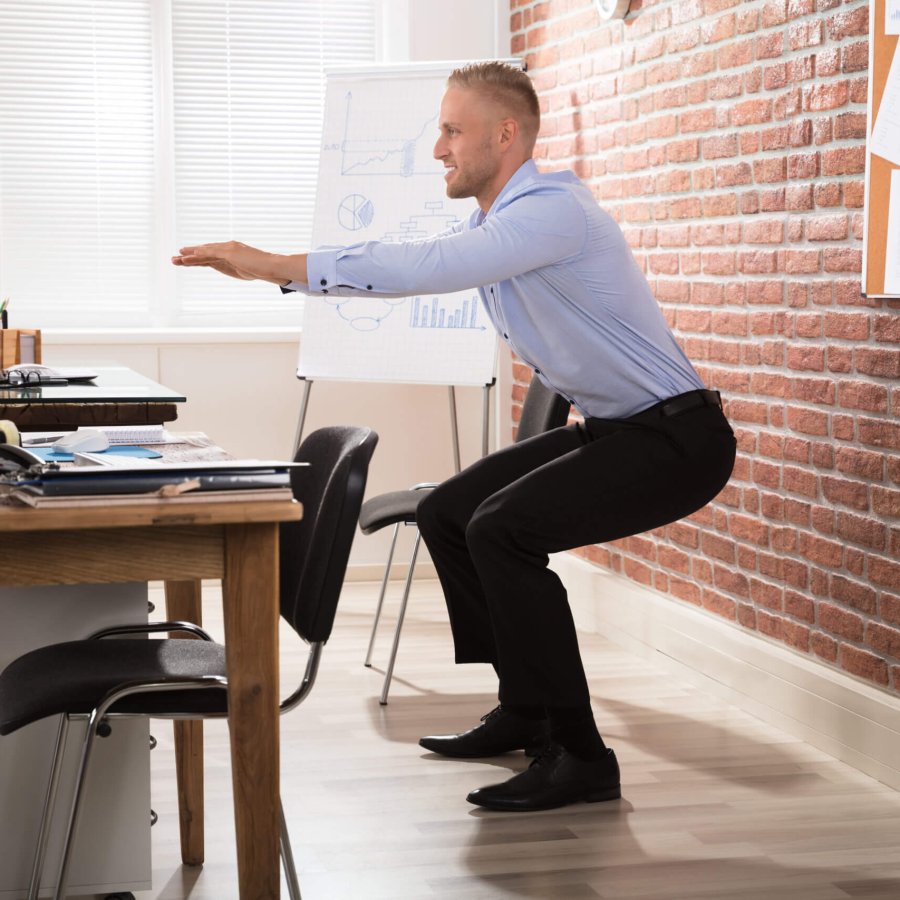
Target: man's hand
{"points": [[234, 259]]}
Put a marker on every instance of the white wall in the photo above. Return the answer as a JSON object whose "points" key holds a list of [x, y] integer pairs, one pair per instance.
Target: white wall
{"points": [[419, 30]]}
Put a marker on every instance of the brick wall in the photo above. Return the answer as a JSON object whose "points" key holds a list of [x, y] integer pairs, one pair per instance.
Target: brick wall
{"points": [[727, 138]]}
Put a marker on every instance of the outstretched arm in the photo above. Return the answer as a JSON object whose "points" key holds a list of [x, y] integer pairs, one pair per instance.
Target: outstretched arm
{"points": [[242, 261]]}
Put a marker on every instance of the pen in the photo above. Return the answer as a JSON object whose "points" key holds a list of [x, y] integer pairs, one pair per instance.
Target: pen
{"points": [[35, 442], [3, 313]]}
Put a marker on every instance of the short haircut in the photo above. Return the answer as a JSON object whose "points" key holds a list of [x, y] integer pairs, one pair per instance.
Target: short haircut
{"points": [[507, 86]]}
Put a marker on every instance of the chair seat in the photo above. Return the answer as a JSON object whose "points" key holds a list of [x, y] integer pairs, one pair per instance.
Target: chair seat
{"points": [[73, 677], [390, 508]]}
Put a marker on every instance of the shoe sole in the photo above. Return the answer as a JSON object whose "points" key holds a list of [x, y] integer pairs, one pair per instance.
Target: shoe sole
{"points": [[531, 751], [614, 793]]}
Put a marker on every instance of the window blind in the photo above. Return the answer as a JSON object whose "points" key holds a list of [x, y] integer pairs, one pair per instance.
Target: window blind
{"points": [[76, 161], [248, 106], [129, 128]]}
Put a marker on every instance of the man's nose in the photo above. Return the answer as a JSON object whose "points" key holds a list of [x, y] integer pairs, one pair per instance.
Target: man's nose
{"points": [[439, 150]]}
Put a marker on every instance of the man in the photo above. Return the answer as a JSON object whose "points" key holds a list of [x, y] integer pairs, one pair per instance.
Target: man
{"points": [[562, 288]]}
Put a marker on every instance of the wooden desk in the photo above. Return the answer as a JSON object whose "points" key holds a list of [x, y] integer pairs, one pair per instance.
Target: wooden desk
{"points": [[235, 541], [118, 396]]}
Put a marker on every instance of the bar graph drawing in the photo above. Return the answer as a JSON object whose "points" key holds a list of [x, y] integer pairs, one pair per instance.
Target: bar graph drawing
{"points": [[438, 313]]}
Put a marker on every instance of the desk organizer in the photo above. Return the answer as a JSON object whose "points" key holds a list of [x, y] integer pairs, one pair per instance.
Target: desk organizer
{"points": [[19, 345]]}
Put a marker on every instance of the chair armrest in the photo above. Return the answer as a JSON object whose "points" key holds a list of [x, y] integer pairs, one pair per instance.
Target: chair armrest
{"points": [[425, 485], [151, 628]]}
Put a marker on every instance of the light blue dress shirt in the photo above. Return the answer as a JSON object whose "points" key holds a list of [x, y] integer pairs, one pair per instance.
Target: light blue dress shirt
{"points": [[558, 281]]}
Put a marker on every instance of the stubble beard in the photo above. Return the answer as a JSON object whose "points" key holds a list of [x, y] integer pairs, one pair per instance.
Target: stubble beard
{"points": [[475, 180]]}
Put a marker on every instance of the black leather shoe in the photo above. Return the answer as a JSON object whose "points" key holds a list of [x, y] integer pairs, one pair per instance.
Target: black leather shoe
{"points": [[500, 731], [555, 778]]}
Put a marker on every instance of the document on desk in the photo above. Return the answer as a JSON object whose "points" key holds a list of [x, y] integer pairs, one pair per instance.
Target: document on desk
{"points": [[84, 501], [144, 478]]}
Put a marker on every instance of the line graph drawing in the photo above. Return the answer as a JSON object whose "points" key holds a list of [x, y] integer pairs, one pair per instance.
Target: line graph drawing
{"points": [[383, 156]]}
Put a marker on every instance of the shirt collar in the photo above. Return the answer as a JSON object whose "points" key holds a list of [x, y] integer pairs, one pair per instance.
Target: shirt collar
{"points": [[527, 170]]}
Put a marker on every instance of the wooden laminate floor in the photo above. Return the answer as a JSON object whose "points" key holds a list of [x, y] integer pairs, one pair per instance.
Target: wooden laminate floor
{"points": [[715, 803]]}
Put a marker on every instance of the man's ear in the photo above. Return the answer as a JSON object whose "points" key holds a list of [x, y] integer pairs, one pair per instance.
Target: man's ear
{"points": [[508, 132]]}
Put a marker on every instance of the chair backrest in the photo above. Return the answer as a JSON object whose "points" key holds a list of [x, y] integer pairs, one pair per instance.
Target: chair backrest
{"points": [[542, 410], [314, 551]]}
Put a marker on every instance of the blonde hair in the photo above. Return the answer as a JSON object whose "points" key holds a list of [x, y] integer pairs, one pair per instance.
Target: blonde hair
{"points": [[508, 87]]}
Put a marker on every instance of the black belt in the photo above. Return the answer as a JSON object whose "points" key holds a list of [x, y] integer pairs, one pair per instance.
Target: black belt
{"points": [[684, 402]]}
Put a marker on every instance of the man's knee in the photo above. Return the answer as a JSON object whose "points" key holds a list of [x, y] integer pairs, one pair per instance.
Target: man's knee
{"points": [[489, 524], [431, 511]]}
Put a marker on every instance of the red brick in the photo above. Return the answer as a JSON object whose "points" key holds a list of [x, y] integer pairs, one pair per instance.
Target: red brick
{"points": [[719, 604], [730, 581], [862, 530], [813, 390], [820, 550], [799, 606], [799, 481], [879, 432], [855, 57], [849, 24], [884, 572], [886, 502], [807, 421], [863, 395], [824, 647], [842, 260], [844, 161], [718, 547], [845, 492], [882, 363], [865, 665], [840, 359], [883, 640], [886, 329], [853, 593], [840, 622], [766, 594], [797, 262]]}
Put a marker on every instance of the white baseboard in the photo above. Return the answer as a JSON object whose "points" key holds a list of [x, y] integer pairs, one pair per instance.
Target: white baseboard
{"points": [[848, 719]]}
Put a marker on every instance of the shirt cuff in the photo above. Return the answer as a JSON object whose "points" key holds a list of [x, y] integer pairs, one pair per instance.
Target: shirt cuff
{"points": [[321, 270]]}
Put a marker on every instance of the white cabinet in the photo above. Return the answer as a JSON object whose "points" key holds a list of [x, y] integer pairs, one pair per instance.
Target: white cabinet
{"points": [[112, 851]]}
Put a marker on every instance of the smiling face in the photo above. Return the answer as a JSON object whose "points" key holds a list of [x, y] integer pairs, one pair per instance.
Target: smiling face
{"points": [[473, 146]]}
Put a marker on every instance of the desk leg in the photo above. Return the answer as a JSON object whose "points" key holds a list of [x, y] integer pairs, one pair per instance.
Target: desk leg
{"points": [[250, 598], [183, 604]]}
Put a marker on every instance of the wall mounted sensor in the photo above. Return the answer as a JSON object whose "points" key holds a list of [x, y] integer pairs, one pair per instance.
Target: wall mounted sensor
{"points": [[612, 9]]}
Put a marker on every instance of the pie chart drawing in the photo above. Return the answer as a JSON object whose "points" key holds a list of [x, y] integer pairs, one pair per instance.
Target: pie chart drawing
{"points": [[355, 212]]}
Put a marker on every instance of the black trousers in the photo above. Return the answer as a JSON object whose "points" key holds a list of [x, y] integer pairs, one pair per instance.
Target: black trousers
{"points": [[490, 529]]}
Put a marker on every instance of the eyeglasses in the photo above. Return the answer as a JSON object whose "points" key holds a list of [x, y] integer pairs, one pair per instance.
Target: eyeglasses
{"points": [[25, 379]]}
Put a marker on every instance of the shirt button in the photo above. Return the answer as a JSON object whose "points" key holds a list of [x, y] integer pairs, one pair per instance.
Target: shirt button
{"points": [[325, 290], [505, 336], [368, 287], [537, 371], [323, 282]]}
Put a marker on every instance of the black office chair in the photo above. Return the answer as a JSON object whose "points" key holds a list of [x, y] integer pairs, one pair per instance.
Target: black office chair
{"points": [[542, 410], [185, 678]]}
